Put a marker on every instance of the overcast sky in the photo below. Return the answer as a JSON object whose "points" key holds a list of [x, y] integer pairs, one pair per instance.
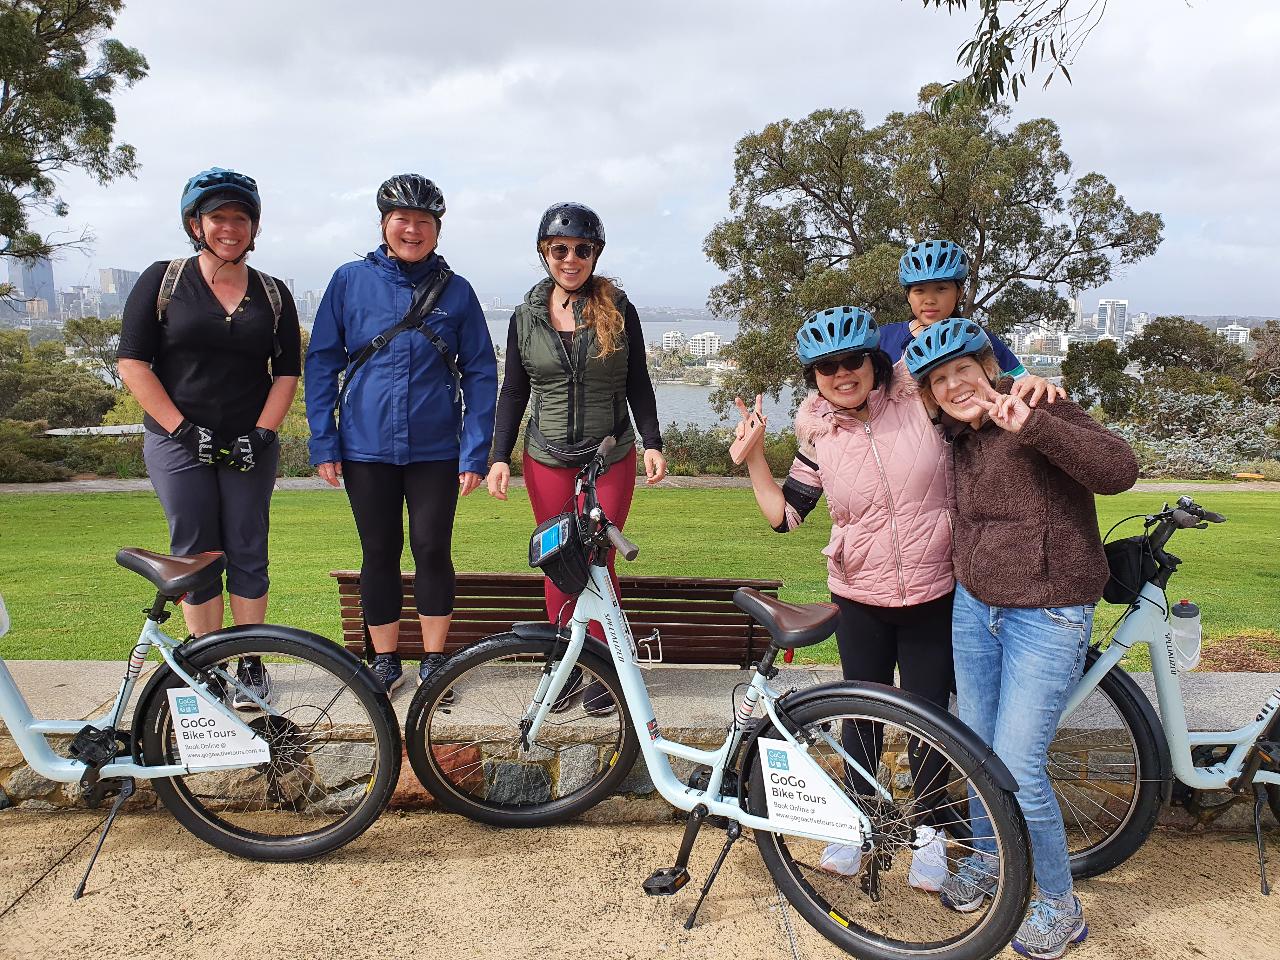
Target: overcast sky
{"points": [[634, 108]]}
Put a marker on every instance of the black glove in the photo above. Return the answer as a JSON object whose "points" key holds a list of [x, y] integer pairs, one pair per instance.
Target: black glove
{"points": [[242, 452], [198, 441]]}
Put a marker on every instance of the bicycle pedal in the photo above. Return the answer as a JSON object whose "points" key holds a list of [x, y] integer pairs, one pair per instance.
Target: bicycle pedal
{"points": [[94, 747], [666, 882]]}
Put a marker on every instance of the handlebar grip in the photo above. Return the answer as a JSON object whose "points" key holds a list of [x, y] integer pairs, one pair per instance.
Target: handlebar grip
{"points": [[625, 547], [1214, 517], [1183, 519], [606, 445]]}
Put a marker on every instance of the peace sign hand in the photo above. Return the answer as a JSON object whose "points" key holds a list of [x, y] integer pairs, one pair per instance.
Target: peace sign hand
{"points": [[1006, 411], [749, 434]]}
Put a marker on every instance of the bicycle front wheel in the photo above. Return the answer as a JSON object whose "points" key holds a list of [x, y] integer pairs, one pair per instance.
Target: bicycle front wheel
{"points": [[879, 903], [470, 752], [335, 751], [1108, 774]]}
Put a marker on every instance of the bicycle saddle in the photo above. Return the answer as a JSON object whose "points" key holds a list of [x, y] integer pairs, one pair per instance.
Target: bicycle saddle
{"points": [[173, 576], [789, 624]]}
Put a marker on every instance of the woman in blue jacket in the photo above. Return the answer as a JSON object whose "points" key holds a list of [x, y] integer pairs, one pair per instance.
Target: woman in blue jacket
{"points": [[412, 341]]}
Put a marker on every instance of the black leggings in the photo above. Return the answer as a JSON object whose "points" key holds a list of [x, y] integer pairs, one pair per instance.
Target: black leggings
{"points": [[917, 640], [378, 492]]}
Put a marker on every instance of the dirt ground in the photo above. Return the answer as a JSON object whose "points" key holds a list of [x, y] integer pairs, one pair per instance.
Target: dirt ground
{"points": [[431, 885]]}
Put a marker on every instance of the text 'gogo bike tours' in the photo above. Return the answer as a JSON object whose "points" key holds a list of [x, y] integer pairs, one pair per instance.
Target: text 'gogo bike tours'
{"points": [[502, 734], [289, 775], [1113, 762]]}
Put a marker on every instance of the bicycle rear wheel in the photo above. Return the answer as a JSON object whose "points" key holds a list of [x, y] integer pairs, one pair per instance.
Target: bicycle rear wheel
{"points": [[870, 907], [335, 752], [470, 754], [1108, 774]]}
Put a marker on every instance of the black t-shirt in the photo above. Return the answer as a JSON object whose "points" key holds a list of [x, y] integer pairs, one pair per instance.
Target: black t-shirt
{"points": [[216, 369]]}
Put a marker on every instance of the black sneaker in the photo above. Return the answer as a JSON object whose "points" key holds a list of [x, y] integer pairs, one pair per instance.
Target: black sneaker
{"points": [[572, 687], [597, 701], [252, 678], [386, 667], [431, 662]]}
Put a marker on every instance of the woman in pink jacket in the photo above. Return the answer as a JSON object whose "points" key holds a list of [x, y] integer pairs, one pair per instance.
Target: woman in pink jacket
{"points": [[866, 441]]}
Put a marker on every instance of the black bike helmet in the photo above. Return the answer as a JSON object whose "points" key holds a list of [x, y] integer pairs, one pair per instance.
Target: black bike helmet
{"points": [[571, 220], [410, 191]]}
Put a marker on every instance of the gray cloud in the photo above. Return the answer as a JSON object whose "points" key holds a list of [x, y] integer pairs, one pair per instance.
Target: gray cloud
{"points": [[636, 108]]}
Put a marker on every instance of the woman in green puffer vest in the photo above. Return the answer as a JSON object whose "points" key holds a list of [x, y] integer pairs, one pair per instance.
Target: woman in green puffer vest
{"points": [[575, 348]]}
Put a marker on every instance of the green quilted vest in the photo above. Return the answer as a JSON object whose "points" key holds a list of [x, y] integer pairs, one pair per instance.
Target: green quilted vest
{"points": [[574, 396]]}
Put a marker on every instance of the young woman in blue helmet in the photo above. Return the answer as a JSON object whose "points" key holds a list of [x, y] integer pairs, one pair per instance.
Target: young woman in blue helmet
{"points": [[1029, 568], [933, 275], [411, 339], [210, 348], [866, 442]]}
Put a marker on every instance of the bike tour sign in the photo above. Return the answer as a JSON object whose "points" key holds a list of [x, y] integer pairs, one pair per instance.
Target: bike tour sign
{"points": [[801, 796], [207, 739]]}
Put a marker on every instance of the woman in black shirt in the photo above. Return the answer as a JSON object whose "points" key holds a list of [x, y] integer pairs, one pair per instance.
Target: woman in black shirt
{"points": [[211, 350]]}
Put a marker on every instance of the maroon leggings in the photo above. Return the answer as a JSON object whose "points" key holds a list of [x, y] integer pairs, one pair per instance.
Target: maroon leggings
{"points": [[551, 488]]}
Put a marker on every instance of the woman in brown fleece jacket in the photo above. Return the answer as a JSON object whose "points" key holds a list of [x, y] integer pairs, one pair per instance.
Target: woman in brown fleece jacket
{"points": [[1029, 568]]}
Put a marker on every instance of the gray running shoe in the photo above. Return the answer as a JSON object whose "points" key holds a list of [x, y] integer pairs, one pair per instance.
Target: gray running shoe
{"points": [[965, 889], [431, 662], [252, 677], [1050, 928], [389, 671]]}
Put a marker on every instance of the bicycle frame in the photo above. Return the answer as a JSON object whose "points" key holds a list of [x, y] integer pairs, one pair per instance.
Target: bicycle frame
{"points": [[1147, 622], [31, 734], [599, 602]]}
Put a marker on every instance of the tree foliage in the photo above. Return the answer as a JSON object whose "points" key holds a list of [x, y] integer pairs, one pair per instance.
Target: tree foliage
{"points": [[821, 209], [1036, 35], [55, 109], [41, 384], [95, 339], [1175, 343], [1093, 373], [1263, 373]]}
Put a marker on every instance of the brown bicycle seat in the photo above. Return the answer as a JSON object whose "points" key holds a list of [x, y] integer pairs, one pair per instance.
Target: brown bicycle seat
{"points": [[791, 625], [173, 576]]}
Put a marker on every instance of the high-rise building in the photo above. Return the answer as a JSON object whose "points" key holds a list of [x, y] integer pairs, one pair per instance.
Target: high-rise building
{"points": [[1112, 316], [1234, 333], [119, 282], [672, 340], [34, 278], [705, 344]]}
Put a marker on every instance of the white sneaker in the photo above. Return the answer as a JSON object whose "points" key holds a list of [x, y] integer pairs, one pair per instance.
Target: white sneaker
{"points": [[842, 858], [928, 861]]}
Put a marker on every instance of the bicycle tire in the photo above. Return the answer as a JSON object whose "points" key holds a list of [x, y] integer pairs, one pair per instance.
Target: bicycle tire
{"points": [[335, 749], [1109, 775], [469, 756], [841, 907]]}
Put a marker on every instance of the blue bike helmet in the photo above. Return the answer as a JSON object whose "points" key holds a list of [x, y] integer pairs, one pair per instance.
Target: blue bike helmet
{"points": [[835, 331], [213, 188], [947, 340], [932, 260]]}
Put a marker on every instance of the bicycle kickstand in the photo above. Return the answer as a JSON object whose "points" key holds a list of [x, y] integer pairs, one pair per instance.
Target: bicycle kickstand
{"points": [[1260, 797], [125, 785], [735, 831]]}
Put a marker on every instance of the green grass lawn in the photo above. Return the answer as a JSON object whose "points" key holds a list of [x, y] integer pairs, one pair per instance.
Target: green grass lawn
{"points": [[69, 600]]}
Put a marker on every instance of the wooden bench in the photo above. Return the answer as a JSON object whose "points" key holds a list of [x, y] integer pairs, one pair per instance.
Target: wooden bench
{"points": [[697, 618]]}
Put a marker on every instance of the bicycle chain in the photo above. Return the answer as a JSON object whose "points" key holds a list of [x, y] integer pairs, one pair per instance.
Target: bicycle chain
{"points": [[786, 924]]}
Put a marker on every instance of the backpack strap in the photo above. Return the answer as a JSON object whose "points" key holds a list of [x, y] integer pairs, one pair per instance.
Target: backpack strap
{"points": [[168, 285], [424, 301], [277, 304]]}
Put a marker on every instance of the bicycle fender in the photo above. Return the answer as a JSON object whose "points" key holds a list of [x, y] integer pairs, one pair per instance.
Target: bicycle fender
{"points": [[198, 645], [541, 630], [1131, 687], [896, 698]]}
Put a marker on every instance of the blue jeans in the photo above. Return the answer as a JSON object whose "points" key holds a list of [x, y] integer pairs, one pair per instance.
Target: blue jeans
{"points": [[1014, 668]]}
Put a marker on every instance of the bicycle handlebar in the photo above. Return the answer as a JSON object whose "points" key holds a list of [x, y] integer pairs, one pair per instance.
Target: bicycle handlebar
{"points": [[624, 546]]}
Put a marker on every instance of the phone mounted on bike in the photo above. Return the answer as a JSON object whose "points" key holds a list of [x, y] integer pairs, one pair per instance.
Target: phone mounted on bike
{"points": [[557, 548]]}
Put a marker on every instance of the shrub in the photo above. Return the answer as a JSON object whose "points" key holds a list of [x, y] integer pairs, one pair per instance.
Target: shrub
{"points": [[26, 456]]}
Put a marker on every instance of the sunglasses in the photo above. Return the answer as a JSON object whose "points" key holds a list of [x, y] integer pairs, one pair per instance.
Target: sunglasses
{"points": [[849, 362], [583, 251]]}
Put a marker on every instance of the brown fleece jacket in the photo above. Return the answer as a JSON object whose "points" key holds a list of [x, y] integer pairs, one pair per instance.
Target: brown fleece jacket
{"points": [[1026, 531]]}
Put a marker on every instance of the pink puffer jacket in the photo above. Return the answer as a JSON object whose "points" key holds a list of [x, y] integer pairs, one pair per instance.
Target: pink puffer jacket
{"points": [[888, 487]]}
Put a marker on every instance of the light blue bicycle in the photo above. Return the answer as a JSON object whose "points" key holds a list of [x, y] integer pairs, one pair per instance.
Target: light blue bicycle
{"points": [[1113, 762], [841, 783], [303, 765]]}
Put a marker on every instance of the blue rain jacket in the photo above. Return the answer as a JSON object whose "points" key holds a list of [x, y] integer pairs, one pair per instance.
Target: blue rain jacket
{"points": [[401, 406]]}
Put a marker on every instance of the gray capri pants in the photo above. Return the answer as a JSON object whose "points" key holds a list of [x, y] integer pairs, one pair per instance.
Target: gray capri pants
{"points": [[215, 508]]}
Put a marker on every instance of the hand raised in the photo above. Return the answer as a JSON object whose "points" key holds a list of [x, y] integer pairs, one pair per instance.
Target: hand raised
{"points": [[1006, 411]]}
